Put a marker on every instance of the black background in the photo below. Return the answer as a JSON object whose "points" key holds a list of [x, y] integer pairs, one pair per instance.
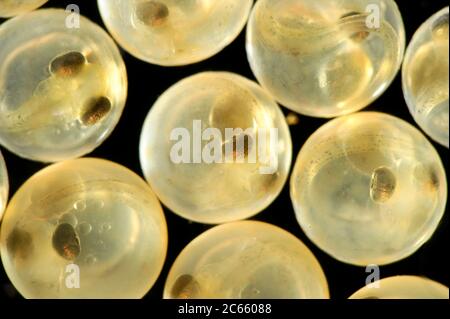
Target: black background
{"points": [[147, 82]]}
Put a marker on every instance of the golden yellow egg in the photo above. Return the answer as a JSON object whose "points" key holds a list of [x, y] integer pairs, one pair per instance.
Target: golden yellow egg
{"points": [[403, 287], [368, 188], [10, 8], [425, 77], [63, 87], [85, 228], [4, 185], [325, 58], [172, 32], [246, 260], [215, 148]]}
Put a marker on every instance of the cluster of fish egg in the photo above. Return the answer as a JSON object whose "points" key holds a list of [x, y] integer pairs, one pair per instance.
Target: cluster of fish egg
{"points": [[366, 188]]}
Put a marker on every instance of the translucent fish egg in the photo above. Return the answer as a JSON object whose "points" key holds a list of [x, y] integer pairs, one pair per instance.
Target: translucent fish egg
{"points": [[325, 58], [10, 8], [246, 260], [368, 188], [403, 287], [4, 185], [171, 32], [85, 228], [62, 89], [215, 148], [425, 77]]}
